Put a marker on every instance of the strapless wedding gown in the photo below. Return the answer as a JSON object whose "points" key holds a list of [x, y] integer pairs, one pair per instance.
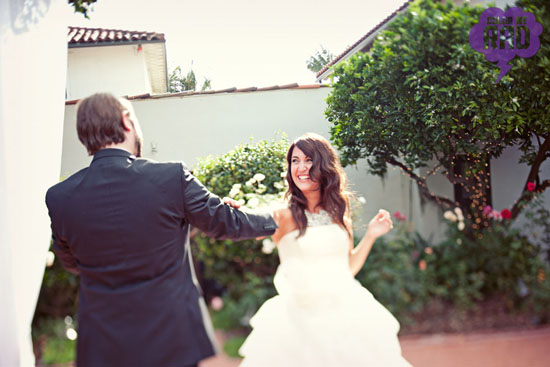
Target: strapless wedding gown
{"points": [[322, 316]]}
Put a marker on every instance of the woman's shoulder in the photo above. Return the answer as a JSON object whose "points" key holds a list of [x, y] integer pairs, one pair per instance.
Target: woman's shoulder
{"points": [[284, 214]]}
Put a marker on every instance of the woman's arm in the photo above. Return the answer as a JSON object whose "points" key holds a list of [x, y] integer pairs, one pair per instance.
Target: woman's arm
{"points": [[378, 226], [285, 222]]}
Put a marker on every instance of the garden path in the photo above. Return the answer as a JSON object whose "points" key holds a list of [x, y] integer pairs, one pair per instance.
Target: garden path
{"points": [[527, 348]]}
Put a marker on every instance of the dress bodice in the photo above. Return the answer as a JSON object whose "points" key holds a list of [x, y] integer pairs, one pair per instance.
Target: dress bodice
{"points": [[319, 244], [314, 263]]}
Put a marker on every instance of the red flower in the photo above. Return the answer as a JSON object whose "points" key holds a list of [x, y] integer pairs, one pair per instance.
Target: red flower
{"points": [[422, 265], [531, 186], [506, 214], [399, 216]]}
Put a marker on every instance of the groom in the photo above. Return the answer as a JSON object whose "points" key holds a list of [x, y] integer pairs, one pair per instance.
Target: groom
{"points": [[122, 224]]}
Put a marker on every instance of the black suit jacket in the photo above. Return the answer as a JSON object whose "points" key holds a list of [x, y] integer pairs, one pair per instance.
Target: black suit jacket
{"points": [[123, 225]]}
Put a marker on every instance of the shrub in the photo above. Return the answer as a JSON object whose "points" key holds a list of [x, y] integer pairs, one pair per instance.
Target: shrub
{"points": [[392, 274], [58, 294], [251, 173]]}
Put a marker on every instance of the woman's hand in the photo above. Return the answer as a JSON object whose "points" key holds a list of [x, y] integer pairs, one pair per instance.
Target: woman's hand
{"points": [[379, 225], [232, 203]]}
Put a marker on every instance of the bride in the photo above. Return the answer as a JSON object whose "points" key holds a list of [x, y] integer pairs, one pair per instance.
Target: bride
{"points": [[321, 316]]}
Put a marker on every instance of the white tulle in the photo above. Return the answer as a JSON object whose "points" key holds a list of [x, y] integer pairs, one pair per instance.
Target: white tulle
{"points": [[321, 316]]}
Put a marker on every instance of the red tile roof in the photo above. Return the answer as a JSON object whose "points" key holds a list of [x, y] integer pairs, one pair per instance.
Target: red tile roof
{"points": [[79, 36], [227, 90], [375, 29]]}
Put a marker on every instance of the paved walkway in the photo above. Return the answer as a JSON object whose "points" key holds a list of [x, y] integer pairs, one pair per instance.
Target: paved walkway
{"points": [[492, 349]]}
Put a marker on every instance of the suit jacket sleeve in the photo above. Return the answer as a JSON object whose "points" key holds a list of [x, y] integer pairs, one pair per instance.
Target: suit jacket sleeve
{"points": [[59, 243], [207, 212]]}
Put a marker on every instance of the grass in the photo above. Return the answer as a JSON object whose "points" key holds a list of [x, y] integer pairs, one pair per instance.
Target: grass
{"points": [[232, 345]]}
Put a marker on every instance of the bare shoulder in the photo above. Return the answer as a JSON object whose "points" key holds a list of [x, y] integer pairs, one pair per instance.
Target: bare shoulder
{"points": [[285, 222]]}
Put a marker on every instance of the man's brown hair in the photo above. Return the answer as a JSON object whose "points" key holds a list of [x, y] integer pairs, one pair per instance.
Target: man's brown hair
{"points": [[99, 121]]}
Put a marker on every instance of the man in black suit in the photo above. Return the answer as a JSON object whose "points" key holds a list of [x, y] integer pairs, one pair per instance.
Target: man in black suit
{"points": [[123, 225]]}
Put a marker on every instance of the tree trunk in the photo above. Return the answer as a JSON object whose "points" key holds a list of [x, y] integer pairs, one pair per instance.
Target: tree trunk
{"points": [[475, 193]]}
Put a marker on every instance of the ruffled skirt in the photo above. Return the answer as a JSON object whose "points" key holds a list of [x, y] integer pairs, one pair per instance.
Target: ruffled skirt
{"points": [[343, 327]]}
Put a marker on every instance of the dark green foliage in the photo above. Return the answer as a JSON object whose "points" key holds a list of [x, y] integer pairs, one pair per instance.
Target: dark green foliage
{"points": [[58, 294], [51, 342], [82, 6], [407, 273]]}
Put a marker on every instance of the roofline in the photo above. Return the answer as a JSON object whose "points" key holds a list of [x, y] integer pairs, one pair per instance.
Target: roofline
{"points": [[361, 43], [113, 43], [232, 90], [352, 52]]}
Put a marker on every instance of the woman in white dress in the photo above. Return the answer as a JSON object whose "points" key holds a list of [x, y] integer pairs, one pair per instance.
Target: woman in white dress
{"points": [[321, 317]]}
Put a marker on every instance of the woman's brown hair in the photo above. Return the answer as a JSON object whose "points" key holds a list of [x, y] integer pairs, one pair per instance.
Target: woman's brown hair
{"points": [[327, 171]]}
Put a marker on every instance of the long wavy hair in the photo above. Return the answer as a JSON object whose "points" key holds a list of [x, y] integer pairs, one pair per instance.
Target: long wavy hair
{"points": [[327, 171]]}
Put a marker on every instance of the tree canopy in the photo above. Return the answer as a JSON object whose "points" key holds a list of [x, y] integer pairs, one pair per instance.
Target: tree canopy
{"points": [[179, 82], [318, 61], [82, 6], [424, 95]]}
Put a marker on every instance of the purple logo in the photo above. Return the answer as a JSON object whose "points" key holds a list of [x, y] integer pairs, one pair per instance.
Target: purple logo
{"points": [[503, 35]]}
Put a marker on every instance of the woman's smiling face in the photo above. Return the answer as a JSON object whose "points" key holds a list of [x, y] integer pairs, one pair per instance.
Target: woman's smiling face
{"points": [[300, 165]]}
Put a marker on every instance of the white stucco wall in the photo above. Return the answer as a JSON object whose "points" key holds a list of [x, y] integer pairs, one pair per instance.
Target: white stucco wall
{"points": [[187, 128], [121, 70]]}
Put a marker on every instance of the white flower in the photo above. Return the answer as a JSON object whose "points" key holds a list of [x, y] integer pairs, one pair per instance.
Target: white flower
{"points": [[450, 216], [461, 225], [283, 174], [71, 334], [459, 241], [50, 257], [235, 189], [259, 177], [267, 246], [250, 182], [253, 203], [241, 202], [362, 200], [261, 188], [279, 185], [515, 100], [459, 214]]}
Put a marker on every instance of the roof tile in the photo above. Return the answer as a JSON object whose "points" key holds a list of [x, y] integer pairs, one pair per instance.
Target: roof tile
{"points": [[96, 36]]}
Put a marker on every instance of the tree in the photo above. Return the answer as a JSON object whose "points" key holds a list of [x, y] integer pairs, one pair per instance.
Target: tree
{"points": [[424, 95], [180, 83], [82, 6], [319, 60]]}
